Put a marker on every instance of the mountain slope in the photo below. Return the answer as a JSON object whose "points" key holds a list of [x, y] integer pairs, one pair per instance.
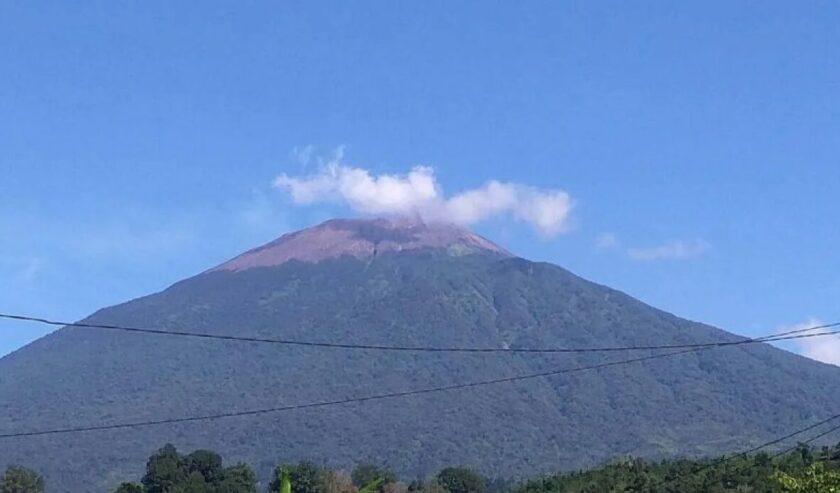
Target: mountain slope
{"points": [[450, 291]]}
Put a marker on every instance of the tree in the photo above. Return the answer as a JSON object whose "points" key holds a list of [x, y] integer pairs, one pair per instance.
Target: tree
{"points": [[285, 482], [806, 453], [364, 474], [305, 478], [337, 482], [19, 479], [238, 479], [394, 487], [460, 480], [816, 479], [205, 462], [129, 488], [416, 485], [164, 471], [201, 471], [195, 483], [420, 486], [368, 477]]}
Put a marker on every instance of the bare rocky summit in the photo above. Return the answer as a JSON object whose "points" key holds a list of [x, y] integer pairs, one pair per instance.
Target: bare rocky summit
{"points": [[362, 238]]}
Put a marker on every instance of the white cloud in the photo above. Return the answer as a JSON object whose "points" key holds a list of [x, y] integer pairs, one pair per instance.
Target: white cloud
{"points": [[825, 348], [672, 250], [418, 192], [474, 206], [548, 211]]}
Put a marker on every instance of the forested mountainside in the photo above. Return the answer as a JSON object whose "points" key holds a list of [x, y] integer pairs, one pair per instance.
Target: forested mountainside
{"points": [[401, 285]]}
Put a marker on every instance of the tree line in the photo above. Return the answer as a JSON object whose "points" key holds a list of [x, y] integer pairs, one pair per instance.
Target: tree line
{"points": [[804, 470]]}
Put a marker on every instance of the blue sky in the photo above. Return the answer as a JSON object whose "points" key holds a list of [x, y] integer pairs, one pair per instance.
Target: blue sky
{"points": [[697, 143]]}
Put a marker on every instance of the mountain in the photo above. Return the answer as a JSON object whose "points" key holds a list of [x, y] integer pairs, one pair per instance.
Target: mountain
{"points": [[393, 282], [361, 240]]}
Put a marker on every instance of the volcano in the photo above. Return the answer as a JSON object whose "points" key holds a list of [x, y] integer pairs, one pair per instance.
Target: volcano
{"points": [[404, 283]]}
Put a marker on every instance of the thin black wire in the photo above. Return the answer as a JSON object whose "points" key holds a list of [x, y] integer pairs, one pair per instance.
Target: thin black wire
{"points": [[791, 435], [138, 424], [810, 440], [344, 401], [783, 336], [746, 453]]}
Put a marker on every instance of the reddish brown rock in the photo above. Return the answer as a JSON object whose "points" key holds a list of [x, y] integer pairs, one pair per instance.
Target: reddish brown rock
{"points": [[361, 238]]}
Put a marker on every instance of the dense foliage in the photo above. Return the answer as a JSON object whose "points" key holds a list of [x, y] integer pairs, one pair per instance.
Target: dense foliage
{"points": [[167, 471], [815, 480], [460, 480], [19, 479], [805, 470]]}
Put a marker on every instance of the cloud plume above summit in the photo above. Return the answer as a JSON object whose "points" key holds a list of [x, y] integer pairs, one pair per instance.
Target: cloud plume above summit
{"points": [[419, 192]]}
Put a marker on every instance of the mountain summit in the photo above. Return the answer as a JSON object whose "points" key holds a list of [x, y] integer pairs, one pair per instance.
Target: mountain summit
{"points": [[394, 283], [362, 238]]}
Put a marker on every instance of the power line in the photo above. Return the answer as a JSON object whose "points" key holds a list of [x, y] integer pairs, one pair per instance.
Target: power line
{"points": [[747, 453], [812, 439], [688, 348], [374, 397], [783, 336], [791, 435], [139, 424]]}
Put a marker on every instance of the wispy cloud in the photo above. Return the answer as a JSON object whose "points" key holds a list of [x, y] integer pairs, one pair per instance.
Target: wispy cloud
{"points": [[122, 240], [126, 237], [261, 217], [606, 241], [303, 155], [825, 349], [419, 192], [21, 270], [671, 250], [676, 249], [30, 268]]}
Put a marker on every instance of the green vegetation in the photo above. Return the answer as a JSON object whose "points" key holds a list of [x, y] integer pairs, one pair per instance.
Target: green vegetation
{"points": [[460, 480], [167, 471], [805, 470], [815, 480], [18, 479], [699, 404], [365, 474], [286, 483]]}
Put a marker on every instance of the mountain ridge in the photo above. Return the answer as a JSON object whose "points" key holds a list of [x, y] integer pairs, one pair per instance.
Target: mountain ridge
{"points": [[691, 404], [361, 238]]}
